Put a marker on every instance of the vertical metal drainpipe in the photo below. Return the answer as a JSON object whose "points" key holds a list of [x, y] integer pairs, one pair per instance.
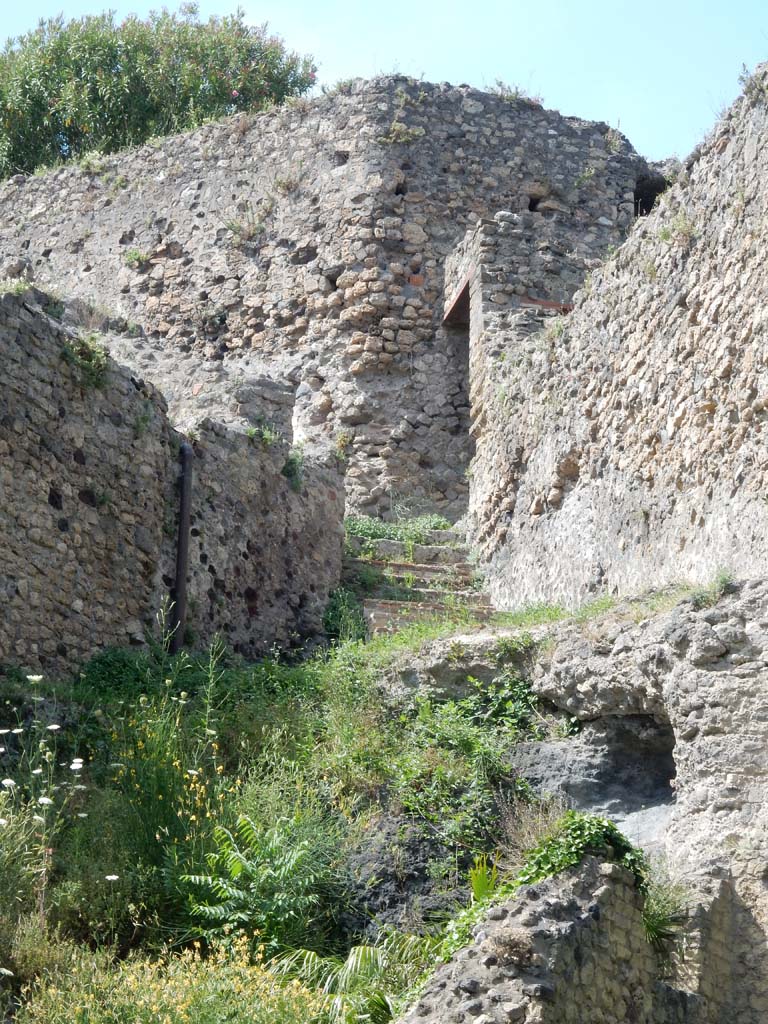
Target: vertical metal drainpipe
{"points": [[179, 596]]}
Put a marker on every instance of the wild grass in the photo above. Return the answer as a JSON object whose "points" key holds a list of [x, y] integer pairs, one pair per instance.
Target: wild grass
{"points": [[157, 800]]}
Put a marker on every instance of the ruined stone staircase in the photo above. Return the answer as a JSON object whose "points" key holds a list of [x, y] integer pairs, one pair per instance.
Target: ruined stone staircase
{"points": [[400, 582]]}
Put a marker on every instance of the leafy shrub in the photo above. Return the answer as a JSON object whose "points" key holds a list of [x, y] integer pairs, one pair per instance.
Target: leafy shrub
{"points": [[575, 836], [113, 674], [136, 258], [278, 887], [452, 766], [665, 911], [414, 530], [370, 983], [182, 989], [483, 879], [96, 83], [89, 358], [343, 618], [705, 597], [293, 469]]}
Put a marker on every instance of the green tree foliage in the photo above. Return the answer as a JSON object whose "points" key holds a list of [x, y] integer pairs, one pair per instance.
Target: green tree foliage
{"points": [[95, 83]]}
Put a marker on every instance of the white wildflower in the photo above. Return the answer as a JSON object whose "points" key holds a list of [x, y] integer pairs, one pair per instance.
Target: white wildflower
{"points": [[111, 878], [34, 679], [53, 727], [8, 783], [44, 801]]}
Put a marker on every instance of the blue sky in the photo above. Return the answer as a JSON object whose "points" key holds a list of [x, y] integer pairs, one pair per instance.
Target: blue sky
{"points": [[659, 71]]}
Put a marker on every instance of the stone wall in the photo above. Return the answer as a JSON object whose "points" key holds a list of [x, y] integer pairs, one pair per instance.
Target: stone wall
{"points": [[308, 244], [624, 442], [510, 276], [88, 517], [570, 950]]}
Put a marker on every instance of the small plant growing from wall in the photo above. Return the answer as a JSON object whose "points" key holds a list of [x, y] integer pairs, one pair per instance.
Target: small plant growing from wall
{"points": [[136, 259], [404, 99], [341, 88], [293, 469], [88, 358], [585, 177], [14, 287], [284, 186], [143, 420], [342, 445], [265, 433], [515, 94], [754, 87], [92, 162], [555, 330], [54, 308], [401, 134], [613, 140], [681, 230], [706, 597], [213, 319], [250, 223]]}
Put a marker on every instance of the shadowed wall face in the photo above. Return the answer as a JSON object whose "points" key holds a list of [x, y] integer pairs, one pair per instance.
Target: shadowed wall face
{"points": [[88, 518]]}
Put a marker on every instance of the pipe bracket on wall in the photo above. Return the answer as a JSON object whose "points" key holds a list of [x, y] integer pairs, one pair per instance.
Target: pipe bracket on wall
{"points": [[179, 596]]}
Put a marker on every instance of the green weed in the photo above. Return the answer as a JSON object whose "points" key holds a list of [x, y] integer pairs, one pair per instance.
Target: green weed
{"points": [[293, 469], [89, 359]]}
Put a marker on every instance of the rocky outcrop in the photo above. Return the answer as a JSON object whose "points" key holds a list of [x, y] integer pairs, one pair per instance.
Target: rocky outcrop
{"points": [[673, 707], [705, 671]]}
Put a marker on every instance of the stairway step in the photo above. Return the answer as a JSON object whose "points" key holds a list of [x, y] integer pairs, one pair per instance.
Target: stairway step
{"points": [[398, 550], [456, 538], [399, 568], [457, 576], [388, 616], [467, 598]]}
